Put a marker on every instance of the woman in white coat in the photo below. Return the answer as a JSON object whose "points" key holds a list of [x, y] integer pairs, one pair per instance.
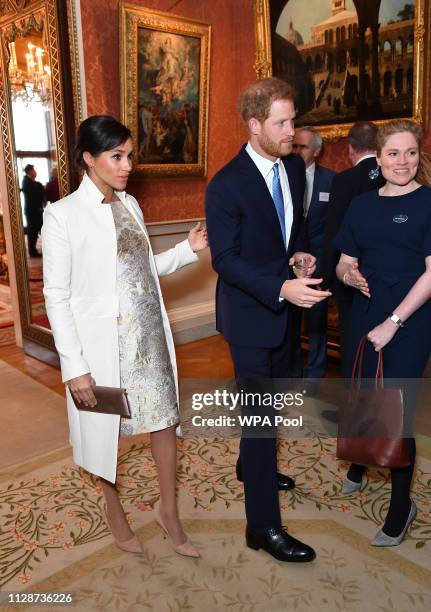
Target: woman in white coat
{"points": [[109, 322]]}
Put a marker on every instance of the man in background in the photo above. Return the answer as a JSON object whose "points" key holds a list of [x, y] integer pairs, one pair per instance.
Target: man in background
{"points": [[308, 143], [34, 201], [364, 176], [52, 188]]}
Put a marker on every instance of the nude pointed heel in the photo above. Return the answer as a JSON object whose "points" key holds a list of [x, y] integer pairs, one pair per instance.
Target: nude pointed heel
{"points": [[186, 549], [132, 546]]}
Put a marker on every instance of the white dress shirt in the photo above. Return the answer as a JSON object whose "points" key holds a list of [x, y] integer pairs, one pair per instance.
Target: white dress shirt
{"points": [[309, 184], [265, 167]]}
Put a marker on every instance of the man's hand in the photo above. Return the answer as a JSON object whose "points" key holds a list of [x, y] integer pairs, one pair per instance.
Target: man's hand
{"points": [[304, 257], [299, 292], [81, 388], [354, 279]]}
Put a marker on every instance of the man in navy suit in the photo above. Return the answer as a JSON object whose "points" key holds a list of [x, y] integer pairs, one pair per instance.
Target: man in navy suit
{"points": [[364, 176], [308, 143], [254, 215]]}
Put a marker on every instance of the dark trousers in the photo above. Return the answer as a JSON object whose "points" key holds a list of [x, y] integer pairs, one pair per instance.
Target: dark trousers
{"points": [[258, 456], [34, 225], [295, 367], [316, 319]]}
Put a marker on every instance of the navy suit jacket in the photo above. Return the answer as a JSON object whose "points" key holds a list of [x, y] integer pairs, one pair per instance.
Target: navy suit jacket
{"points": [[248, 252], [346, 185], [318, 210]]}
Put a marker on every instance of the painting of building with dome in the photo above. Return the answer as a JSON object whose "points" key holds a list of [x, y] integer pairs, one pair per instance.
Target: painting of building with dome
{"points": [[348, 59]]}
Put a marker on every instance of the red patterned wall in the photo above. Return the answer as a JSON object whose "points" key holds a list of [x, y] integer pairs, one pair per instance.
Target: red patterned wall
{"points": [[232, 58], [231, 68]]}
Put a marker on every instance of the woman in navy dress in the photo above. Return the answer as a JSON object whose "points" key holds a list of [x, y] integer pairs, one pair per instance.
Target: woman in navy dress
{"points": [[385, 244]]}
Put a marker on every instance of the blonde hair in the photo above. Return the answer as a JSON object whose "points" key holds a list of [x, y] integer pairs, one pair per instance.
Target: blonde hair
{"points": [[423, 175]]}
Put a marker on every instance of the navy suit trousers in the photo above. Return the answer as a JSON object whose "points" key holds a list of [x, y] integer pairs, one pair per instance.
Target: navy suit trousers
{"points": [[258, 456]]}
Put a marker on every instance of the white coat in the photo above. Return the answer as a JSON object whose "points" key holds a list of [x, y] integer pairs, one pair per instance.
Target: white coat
{"points": [[79, 271]]}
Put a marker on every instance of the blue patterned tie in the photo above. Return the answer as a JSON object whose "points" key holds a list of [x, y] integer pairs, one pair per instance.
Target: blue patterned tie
{"points": [[277, 196]]}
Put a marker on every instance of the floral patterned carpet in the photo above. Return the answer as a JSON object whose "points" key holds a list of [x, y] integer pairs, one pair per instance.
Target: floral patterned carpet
{"points": [[53, 538]]}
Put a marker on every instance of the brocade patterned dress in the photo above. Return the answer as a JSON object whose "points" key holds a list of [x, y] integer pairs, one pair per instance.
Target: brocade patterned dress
{"points": [[145, 365]]}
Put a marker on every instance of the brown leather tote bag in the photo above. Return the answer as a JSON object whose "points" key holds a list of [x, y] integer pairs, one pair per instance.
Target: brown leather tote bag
{"points": [[371, 425]]}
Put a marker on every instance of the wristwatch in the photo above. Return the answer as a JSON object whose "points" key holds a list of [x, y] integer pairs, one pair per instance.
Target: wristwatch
{"points": [[396, 319]]}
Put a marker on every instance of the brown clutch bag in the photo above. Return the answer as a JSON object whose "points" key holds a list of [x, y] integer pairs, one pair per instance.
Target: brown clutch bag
{"points": [[110, 400]]}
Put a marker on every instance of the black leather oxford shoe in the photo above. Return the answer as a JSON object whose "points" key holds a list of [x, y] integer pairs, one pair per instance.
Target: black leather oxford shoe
{"points": [[285, 483], [279, 544]]}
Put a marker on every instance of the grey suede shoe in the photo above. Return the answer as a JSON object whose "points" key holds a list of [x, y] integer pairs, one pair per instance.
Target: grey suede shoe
{"points": [[349, 486], [381, 539]]}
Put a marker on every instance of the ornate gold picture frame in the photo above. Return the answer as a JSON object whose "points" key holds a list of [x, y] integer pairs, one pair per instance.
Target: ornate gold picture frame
{"points": [[374, 69], [164, 67]]}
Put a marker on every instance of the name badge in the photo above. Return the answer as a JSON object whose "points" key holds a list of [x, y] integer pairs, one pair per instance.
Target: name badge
{"points": [[400, 218], [323, 196]]}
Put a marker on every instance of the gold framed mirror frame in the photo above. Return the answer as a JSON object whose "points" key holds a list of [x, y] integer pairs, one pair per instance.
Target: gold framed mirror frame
{"points": [[17, 18]]}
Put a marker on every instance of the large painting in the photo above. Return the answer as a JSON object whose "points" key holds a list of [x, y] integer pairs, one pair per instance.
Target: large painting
{"points": [[348, 59], [165, 72]]}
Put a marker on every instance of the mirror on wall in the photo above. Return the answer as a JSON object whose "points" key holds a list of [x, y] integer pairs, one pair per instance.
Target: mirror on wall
{"points": [[38, 120], [30, 94]]}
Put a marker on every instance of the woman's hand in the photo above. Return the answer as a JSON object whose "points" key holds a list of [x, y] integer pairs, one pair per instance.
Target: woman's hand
{"points": [[381, 335], [353, 278], [81, 388], [198, 237]]}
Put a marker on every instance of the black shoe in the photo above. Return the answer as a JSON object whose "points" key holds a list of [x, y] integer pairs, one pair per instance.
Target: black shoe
{"points": [[284, 482], [279, 544], [35, 254]]}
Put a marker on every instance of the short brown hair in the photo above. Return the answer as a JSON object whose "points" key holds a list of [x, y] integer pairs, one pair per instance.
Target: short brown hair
{"points": [[256, 100], [362, 136]]}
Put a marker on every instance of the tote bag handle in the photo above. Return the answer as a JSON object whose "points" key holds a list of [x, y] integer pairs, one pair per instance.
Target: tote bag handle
{"points": [[357, 366]]}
